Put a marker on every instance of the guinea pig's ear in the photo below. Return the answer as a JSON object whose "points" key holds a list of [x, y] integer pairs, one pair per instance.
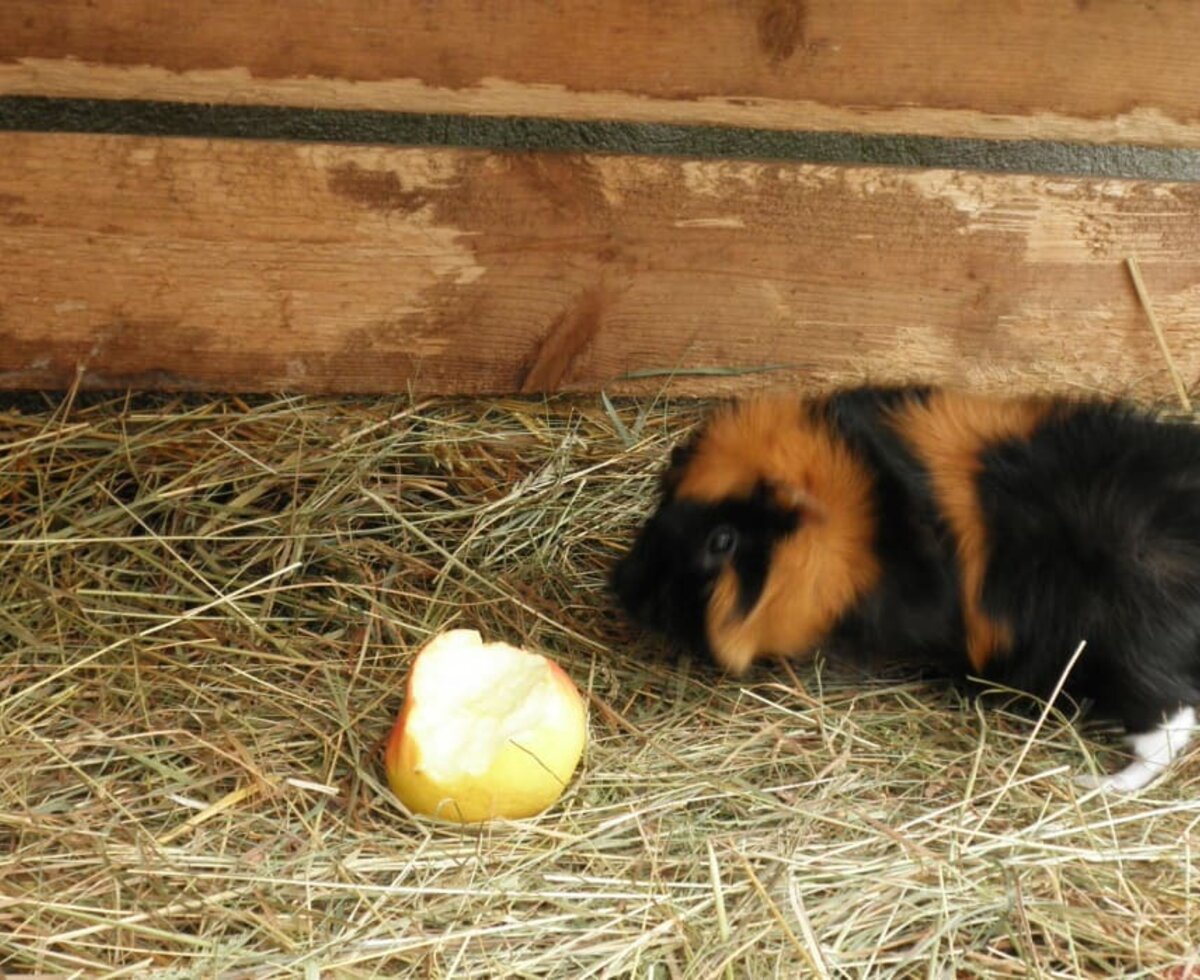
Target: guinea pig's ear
{"points": [[791, 498]]}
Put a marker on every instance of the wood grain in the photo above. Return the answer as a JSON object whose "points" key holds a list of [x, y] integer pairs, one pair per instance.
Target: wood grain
{"points": [[242, 265], [1059, 69]]}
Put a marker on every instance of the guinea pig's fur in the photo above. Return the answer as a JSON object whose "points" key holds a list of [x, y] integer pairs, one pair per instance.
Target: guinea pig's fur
{"points": [[987, 535]]}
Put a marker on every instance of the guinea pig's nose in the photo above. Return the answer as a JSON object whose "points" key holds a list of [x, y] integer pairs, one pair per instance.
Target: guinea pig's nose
{"points": [[630, 584], [620, 577]]}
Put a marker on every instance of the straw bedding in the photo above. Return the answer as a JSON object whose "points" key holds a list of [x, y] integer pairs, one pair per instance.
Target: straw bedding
{"points": [[207, 608]]}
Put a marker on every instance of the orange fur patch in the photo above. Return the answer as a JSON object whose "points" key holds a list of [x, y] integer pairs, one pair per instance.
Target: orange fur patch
{"points": [[948, 434], [817, 572]]}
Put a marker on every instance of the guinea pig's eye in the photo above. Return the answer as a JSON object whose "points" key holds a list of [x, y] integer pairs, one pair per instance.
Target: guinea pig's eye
{"points": [[721, 541]]}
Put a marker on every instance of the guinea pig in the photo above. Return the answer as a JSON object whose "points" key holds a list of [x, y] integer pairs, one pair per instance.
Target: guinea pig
{"points": [[988, 536]]}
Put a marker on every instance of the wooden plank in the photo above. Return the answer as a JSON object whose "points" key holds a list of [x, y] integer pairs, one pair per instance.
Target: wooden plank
{"points": [[263, 266], [1056, 69]]}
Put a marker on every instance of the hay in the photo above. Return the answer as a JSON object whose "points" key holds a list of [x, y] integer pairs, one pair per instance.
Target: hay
{"points": [[207, 609]]}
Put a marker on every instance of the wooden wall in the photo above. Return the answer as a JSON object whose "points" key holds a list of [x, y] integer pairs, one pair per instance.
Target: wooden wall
{"points": [[244, 264], [1110, 70]]}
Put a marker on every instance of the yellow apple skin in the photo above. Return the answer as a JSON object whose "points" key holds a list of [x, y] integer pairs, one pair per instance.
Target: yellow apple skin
{"points": [[528, 772]]}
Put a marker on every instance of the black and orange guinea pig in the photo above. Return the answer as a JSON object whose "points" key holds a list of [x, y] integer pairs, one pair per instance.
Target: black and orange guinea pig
{"points": [[987, 536]]}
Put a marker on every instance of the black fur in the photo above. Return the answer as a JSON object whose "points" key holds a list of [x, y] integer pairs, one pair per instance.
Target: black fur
{"points": [[914, 613], [1095, 531]]}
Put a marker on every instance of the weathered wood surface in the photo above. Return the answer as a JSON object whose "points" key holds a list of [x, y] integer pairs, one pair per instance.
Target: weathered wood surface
{"points": [[1061, 69], [241, 265]]}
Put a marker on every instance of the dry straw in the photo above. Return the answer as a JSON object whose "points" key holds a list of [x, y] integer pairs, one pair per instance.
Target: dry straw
{"points": [[207, 610]]}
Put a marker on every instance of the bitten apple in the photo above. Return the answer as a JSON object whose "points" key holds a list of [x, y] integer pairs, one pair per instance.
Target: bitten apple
{"points": [[486, 730]]}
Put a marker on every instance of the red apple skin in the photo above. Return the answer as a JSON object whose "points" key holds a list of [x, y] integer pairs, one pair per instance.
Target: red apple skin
{"points": [[395, 742]]}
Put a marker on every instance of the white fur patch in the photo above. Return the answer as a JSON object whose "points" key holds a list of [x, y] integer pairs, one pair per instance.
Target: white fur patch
{"points": [[1153, 752]]}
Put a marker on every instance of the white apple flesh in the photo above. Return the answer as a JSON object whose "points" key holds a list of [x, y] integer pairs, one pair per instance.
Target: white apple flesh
{"points": [[487, 730]]}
